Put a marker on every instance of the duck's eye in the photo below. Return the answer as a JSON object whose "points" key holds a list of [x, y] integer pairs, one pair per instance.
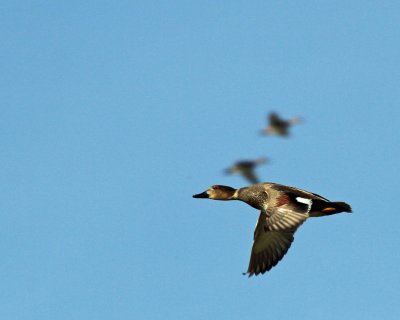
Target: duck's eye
{"points": [[214, 187]]}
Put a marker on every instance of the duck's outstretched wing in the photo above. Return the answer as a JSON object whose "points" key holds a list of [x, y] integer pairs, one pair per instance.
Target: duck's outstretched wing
{"points": [[274, 232], [283, 130], [269, 247], [249, 174], [274, 119]]}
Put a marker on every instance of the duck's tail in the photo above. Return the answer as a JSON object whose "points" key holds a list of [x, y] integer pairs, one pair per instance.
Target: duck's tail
{"points": [[295, 120], [324, 208], [337, 207], [261, 160]]}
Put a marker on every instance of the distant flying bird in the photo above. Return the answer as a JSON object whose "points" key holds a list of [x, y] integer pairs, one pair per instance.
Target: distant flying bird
{"points": [[279, 126], [283, 210], [246, 169]]}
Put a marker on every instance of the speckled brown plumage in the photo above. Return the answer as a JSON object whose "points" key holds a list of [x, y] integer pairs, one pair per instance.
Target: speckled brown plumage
{"points": [[283, 210]]}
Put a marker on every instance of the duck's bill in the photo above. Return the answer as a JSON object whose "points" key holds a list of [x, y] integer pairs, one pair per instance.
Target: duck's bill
{"points": [[201, 195]]}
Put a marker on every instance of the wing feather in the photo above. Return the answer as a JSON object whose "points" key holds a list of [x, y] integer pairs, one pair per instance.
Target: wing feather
{"points": [[274, 232], [269, 247], [250, 175]]}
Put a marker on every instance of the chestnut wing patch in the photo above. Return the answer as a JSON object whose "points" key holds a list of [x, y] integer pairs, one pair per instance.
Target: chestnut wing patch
{"points": [[282, 200], [293, 201], [289, 212]]}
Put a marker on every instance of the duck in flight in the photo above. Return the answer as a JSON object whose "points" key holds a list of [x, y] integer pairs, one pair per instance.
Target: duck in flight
{"points": [[246, 169], [283, 210], [279, 126]]}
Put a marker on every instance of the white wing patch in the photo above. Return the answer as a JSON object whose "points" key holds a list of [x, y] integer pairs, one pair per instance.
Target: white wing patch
{"points": [[304, 200]]}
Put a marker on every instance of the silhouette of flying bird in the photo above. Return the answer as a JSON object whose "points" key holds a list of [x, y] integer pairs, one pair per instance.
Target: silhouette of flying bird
{"points": [[246, 169], [283, 210], [279, 126]]}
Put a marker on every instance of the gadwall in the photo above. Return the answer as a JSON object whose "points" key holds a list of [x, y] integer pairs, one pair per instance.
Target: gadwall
{"points": [[279, 126], [246, 169], [283, 210]]}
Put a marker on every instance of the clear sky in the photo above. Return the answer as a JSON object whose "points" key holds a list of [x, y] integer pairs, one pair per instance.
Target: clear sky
{"points": [[113, 114]]}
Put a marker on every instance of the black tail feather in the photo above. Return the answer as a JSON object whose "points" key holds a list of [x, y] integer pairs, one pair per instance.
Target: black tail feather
{"points": [[340, 206], [326, 208]]}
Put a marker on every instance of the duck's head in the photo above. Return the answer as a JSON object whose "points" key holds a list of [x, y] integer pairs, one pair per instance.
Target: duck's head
{"points": [[217, 192]]}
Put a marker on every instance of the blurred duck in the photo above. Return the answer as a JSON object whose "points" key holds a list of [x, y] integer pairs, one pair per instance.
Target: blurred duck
{"points": [[279, 126], [246, 169], [283, 210]]}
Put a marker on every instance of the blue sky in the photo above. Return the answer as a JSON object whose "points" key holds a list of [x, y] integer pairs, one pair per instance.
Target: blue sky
{"points": [[114, 114]]}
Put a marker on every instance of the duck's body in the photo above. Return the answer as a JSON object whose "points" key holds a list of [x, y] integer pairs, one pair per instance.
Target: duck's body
{"points": [[279, 126], [246, 168], [283, 210]]}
